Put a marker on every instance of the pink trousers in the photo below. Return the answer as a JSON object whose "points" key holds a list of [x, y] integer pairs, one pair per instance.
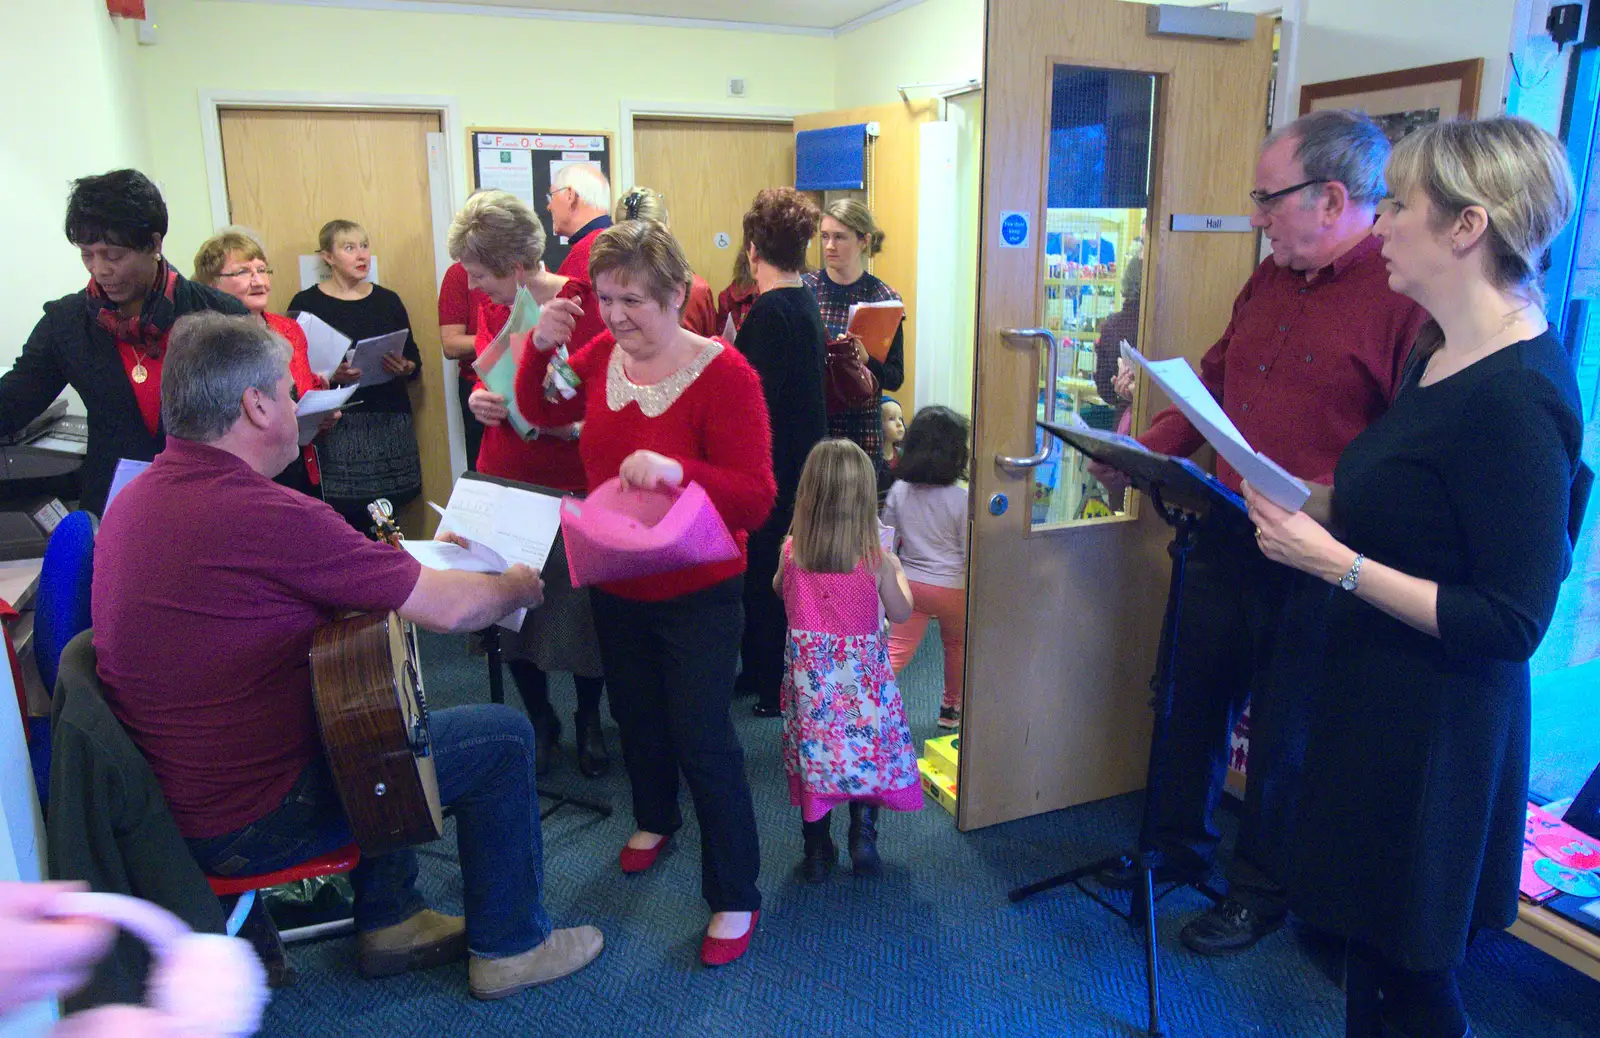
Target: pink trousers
{"points": [[949, 606]]}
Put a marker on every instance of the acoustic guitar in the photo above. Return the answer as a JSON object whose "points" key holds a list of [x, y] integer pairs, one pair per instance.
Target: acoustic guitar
{"points": [[367, 686]]}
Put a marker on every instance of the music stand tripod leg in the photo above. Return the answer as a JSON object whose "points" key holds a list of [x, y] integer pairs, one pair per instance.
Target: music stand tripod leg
{"points": [[497, 694]]}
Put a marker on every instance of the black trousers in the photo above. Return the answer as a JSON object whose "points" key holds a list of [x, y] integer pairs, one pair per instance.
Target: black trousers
{"points": [[766, 625], [670, 668], [470, 426], [1248, 631]]}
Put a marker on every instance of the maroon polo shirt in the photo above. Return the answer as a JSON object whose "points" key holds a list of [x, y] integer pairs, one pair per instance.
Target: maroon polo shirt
{"points": [[1305, 363], [209, 580]]}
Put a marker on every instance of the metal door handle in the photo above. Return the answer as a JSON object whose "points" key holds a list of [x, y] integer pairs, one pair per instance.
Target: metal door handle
{"points": [[1043, 335]]}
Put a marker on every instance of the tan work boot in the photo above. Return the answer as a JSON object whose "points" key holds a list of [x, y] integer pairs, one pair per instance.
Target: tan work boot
{"points": [[426, 939], [562, 954]]}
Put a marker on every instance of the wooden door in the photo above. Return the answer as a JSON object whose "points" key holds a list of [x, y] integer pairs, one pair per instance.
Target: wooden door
{"points": [[709, 171], [291, 171], [1063, 623]]}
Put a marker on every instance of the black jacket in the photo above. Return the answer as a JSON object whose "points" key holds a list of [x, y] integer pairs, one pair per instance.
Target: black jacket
{"points": [[68, 347], [109, 825]]}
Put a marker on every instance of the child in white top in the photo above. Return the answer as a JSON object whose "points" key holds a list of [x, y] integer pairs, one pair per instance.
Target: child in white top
{"points": [[928, 510]]}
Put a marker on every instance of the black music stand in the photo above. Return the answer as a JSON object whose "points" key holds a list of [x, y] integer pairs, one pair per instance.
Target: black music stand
{"points": [[497, 694], [1183, 495]]}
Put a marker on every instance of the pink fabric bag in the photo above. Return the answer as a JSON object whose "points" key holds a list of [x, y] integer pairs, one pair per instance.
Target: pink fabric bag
{"points": [[619, 534]]}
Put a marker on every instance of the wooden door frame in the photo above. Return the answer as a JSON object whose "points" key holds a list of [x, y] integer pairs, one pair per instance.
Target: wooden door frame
{"points": [[443, 189], [706, 110]]}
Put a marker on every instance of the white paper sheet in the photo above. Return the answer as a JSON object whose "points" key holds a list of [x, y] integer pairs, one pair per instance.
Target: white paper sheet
{"points": [[317, 404], [1179, 381], [368, 355], [446, 555], [518, 525], [126, 471], [325, 344]]}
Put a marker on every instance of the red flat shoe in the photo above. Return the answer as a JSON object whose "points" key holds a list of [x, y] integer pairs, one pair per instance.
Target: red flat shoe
{"points": [[635, 860], [719, 951]]}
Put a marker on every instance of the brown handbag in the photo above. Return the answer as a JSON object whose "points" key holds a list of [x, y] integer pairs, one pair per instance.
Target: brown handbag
{"points": [[849, 384]]}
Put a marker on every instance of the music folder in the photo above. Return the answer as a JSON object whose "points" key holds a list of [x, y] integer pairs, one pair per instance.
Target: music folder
{"points": [[1177, 482]]}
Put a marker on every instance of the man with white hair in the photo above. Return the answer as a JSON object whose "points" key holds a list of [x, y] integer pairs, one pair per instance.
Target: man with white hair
{"points": [[580, 208]]}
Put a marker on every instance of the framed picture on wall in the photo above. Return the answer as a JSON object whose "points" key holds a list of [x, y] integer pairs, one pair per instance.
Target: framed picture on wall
{"points": [[1404, 100]]}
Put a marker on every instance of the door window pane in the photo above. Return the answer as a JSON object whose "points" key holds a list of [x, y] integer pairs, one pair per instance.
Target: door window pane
{"points": [[1098, 197]]}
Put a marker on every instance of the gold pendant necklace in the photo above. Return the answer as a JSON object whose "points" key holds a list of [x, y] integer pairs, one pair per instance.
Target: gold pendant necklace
{"points": [[140, 373]]}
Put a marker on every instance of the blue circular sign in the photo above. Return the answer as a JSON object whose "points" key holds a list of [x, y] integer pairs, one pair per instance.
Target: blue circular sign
{"points": [[1014, 229]]}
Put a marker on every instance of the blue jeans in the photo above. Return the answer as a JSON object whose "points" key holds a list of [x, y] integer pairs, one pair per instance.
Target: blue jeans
{"points": [[484, 756]]}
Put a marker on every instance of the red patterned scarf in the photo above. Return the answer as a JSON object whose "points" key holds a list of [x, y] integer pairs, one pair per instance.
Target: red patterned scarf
{"points": [[147, 332]]}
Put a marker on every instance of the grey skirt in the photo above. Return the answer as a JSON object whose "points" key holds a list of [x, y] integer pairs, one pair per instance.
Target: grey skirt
{"points": [[371, 454], [559, 635]]}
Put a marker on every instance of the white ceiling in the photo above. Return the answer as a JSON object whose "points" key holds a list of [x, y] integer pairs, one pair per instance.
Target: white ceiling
{"points": [[813, 15]]}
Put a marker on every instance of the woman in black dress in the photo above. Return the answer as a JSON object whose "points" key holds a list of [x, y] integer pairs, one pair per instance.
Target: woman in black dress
{"points": [[1449, 540], [783, 339], [372, 452]]}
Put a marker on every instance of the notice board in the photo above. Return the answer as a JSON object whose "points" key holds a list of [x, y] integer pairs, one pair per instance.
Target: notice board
{"points": [[523, 163]]}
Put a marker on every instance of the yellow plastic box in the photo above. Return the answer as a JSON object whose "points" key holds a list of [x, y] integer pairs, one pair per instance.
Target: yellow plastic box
{"points": [[944, 755], [937, 786]]}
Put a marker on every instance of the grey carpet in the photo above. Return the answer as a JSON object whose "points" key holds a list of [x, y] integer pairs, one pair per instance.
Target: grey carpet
{"points": [[932, 948]]}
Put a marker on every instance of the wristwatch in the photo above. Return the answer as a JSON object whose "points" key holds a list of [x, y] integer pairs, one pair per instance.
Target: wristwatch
{"points": [[1352, 578]]}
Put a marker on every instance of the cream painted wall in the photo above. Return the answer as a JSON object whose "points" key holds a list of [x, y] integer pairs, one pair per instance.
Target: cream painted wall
{"points": [[519, 72], [74, 110], [1346, 38], [935, 41]]}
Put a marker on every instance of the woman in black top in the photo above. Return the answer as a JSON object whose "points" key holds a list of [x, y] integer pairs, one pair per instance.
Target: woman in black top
{"points": [[1450, 543], [784, 341], [849, 238], [372, 452], [107, 340]]}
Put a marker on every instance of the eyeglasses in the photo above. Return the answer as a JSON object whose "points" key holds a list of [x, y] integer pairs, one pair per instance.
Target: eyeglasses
{"points": [[550, 196], [1264, 200], [244, 272]]}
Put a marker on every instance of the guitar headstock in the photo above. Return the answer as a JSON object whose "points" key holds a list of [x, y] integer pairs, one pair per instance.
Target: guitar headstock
{"points": [[383, 525]]}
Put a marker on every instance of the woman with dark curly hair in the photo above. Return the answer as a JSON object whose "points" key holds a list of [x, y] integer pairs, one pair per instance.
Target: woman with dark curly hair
{"points": [[784, 341]]}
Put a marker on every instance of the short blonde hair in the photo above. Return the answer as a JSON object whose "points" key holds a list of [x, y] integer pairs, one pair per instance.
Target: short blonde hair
{"points": [[215, 250], [498, 230], [643, 250], [835, 522], [333, 228], [856, 216], [1518, 174], [641, 203]]}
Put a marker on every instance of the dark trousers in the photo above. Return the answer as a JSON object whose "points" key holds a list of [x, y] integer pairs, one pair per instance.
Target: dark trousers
{"points": [[1244, 637], [470, 426], [766, 625], [533, 685], [670, 668]]}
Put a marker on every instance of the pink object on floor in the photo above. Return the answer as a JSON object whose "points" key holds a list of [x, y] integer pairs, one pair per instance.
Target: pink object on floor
{"points": [[617, 533]]}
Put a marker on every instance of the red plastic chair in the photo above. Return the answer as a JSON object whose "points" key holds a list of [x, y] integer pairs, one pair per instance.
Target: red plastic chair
{"points": [[342, 860]]}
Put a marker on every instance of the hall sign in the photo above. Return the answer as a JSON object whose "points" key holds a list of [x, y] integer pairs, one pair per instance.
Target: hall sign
{"points": [[1213, 224]]}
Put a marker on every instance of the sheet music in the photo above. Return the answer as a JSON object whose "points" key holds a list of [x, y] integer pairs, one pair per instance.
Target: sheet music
{"points": [[518, 525], [317, 404], [368, 355], [446, 555], [325, 344], [1179, 381]]}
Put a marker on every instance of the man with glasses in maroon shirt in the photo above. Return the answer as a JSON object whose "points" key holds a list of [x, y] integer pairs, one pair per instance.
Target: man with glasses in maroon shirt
{"points": [[1311, 357]]}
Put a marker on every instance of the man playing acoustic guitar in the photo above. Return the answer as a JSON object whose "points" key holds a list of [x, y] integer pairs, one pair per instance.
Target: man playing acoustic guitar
{"points": [[209, 582]]}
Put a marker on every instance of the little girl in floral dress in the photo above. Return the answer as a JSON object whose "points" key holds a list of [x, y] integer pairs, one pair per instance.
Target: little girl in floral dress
{"points": [[845, 738]]}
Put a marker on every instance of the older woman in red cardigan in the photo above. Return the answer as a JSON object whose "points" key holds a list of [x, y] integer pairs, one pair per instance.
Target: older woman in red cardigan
{"points": [[661, 405]]}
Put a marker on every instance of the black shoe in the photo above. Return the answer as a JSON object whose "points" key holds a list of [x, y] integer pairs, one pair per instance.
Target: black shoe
{"points": [[864, 860], [1126, 875], [766, 710], [593, 760], [1227, 928], [547, 736], [821, 854]]}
